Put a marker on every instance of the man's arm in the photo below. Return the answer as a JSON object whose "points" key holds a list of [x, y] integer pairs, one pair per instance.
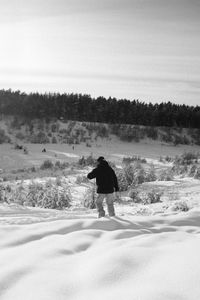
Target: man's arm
{"points": [[92, 174]]}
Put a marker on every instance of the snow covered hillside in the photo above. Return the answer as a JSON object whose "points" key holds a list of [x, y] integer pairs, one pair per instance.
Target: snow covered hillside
{"points": [[48, 254]]}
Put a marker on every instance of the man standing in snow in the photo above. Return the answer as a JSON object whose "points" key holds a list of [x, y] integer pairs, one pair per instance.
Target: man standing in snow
{"points": [[107, 184]]}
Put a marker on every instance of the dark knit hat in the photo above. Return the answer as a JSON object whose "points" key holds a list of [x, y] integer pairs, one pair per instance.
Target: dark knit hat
{"points": [[100, 158]]}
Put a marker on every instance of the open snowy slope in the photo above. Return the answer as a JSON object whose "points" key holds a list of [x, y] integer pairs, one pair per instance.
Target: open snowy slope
{"points": [[48, 255]]}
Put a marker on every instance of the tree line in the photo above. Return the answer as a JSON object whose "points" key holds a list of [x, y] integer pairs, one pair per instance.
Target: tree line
{"points": [[83, 107]]}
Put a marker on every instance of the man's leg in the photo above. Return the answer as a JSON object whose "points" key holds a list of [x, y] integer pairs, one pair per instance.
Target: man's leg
{"points": [[110, 205], [99, 204]]}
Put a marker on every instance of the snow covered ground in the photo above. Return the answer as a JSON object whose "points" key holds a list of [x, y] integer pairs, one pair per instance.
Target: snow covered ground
{"points": [[146, 252], [49, 254]]}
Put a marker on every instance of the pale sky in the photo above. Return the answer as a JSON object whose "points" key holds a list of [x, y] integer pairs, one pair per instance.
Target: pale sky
{"points": [[135, 49]]}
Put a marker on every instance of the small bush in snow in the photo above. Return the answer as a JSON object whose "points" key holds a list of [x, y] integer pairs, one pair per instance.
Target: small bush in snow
{"points": [[133, 175], [49, 195], [89, 199], [134, 195], [165, 175], [61, 165], [152, 197], [197, 173], [54, 140], [122, 180], [187, 158], [81, 179], [139, 176], [3, 137], [144, 197], [87, 161], [130, 171], [47, 164], [129, 160], [180, 169], [166, 159], [151, 132], [151, 174], [180, 206]]}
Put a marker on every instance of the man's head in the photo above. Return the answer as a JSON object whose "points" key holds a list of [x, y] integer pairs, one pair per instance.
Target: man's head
{"points": [[100, 159], [102, 162]]}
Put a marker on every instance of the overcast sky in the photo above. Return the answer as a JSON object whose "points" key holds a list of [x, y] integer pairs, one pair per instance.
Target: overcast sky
{"points": [[136, 49]]}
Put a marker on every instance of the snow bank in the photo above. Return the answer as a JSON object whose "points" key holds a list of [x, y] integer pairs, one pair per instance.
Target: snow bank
{"points": [[134, 257]]}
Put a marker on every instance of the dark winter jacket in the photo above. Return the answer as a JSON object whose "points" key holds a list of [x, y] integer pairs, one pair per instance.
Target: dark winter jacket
{"points": [[106, 179]]}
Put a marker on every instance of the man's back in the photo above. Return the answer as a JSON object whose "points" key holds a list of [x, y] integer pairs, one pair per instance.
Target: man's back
{"points": [[105, 178]]}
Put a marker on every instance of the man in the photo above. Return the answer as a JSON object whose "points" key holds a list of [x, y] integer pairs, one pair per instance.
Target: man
{"points": [[107, 184]]}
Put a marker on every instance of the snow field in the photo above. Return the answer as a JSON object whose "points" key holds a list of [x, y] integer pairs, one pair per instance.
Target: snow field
{"points": [[137, 257]]}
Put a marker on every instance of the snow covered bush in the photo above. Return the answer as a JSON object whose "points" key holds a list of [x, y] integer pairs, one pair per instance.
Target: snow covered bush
{"points": [[133, 175], [139, 175], [90, 198], [129, 160], [122, 180], [81, 179], [165, 175], [49, 195], [152, 197], [194, 171], [3, 137], [87, 161], [130, 172], [187, 158], [3, 193], [134, 195], [197, 173], [150, 174], [180, 206], [145, 197], [180, 169], [61, 165]]}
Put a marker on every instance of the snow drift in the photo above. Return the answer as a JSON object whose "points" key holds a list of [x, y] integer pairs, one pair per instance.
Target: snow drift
{"points": [[48, 255]]}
